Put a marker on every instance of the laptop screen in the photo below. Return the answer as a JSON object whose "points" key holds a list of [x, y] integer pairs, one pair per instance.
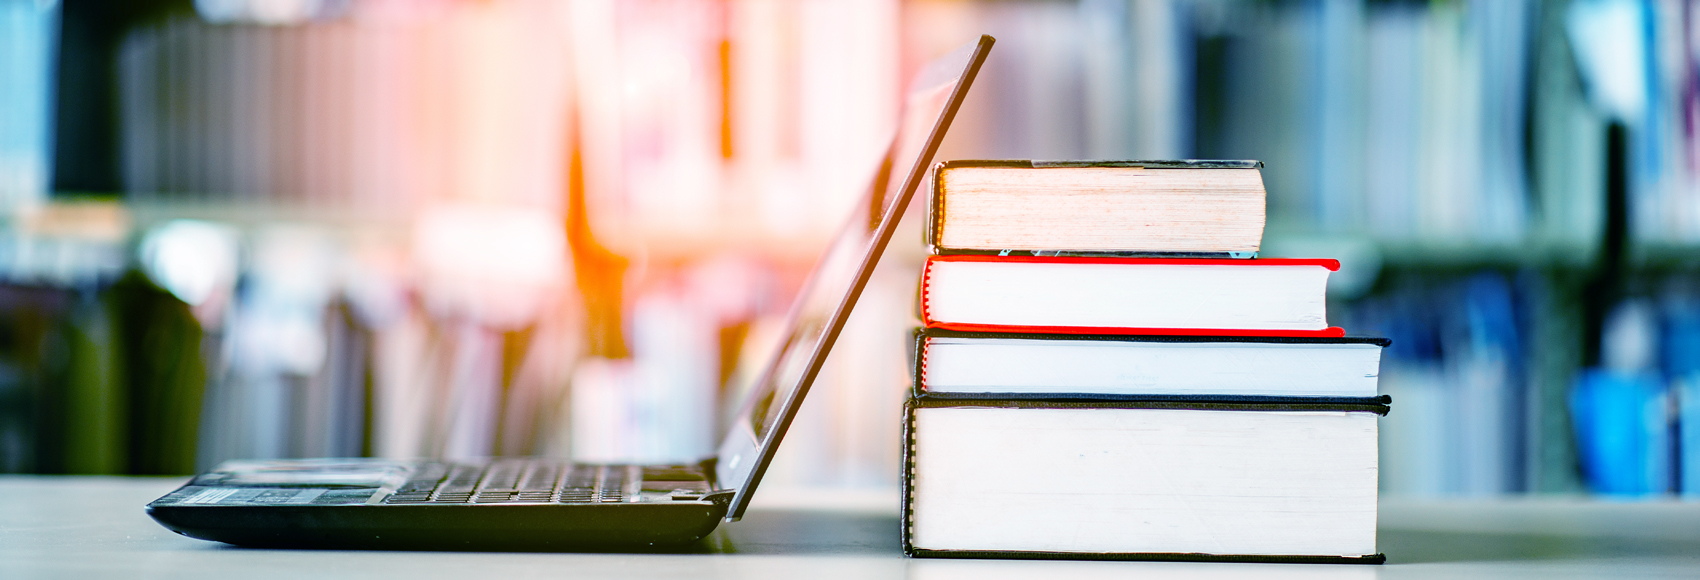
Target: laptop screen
{"points": [[825, 301]]}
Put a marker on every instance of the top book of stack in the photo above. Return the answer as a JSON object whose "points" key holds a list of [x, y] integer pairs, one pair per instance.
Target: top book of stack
{"points": [[1191, 208]]}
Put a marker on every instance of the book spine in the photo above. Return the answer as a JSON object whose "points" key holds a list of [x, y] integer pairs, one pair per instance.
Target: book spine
{"points": [[908, 498], [918, 386], [935, 210], [927, 293]]}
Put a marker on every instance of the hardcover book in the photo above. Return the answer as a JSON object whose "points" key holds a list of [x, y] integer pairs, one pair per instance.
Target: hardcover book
{"points": [[1212, 208], [1114, 295], [980, 365], [1023, 478]]}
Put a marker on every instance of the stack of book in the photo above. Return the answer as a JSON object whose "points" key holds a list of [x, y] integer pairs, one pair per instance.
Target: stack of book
{"points": [[1107, 371]]}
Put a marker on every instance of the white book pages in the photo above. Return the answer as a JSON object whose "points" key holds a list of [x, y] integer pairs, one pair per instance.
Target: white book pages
{"points": [[1134, 295], [1263, 483], [1030, 366]]}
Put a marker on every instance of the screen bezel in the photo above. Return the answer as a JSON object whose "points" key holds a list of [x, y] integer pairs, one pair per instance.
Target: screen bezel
{"points": [[741, 444]]}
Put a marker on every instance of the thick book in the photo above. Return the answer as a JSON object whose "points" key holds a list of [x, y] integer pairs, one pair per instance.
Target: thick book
{"points": [[1026, 478], [981, 365], [1117, 295], [1124, 207]]}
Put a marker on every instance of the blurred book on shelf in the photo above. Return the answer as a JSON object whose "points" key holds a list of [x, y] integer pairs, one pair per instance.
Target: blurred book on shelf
{"points": [[708, 124], [1457, 369], [1637, 63], [1635, 413], [1400, 121], [29, 46], [369, 115]]}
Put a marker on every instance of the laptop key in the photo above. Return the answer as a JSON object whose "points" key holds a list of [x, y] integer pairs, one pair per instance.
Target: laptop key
{"points": [[504, 475], [541, 477], [425, 480], [463, 478], [494, 497]]}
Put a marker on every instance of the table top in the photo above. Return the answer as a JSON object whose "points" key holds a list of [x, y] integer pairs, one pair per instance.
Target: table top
{"points": [[94, 527]]}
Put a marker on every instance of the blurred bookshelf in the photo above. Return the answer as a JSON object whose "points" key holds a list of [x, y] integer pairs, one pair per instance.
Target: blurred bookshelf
{"points": [[648, 182], [732, 234]]}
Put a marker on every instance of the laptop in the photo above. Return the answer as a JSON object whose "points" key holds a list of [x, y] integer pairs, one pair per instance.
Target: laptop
{"points": [[553, 504]]}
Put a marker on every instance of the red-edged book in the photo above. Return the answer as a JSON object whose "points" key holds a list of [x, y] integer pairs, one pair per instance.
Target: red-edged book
{"points": [[1109, 295]]}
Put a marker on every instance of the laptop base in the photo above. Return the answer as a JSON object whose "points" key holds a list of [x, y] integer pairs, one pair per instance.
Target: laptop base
{"points": [[450, 527], [503, 504]]}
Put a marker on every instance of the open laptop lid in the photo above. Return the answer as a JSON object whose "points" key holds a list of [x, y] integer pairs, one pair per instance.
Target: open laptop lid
{"points": [[819, 312]]}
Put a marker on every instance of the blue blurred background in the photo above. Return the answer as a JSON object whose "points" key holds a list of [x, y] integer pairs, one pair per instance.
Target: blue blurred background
{"points": [[460, 228]]}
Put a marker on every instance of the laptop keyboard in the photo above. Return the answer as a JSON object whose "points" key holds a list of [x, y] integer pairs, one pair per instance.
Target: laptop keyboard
{"points": [[542, 481]]}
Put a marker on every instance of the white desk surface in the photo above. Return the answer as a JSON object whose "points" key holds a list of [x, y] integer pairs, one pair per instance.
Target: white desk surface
{"points": [[93, 527]]}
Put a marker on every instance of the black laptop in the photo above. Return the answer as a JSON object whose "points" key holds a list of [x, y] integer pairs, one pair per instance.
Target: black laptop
{"points": [[536, 503]]}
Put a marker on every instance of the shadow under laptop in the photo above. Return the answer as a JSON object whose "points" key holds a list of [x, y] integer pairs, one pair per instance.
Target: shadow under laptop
{"points": [[762, 531], [703, 546]]}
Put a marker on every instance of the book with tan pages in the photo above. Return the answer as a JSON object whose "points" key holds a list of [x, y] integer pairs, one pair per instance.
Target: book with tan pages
{"points": [[1191, 207]]}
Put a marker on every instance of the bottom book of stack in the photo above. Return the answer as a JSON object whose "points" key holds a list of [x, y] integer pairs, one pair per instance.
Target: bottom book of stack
{"points": [[1141, 480], [1040, 473]]}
